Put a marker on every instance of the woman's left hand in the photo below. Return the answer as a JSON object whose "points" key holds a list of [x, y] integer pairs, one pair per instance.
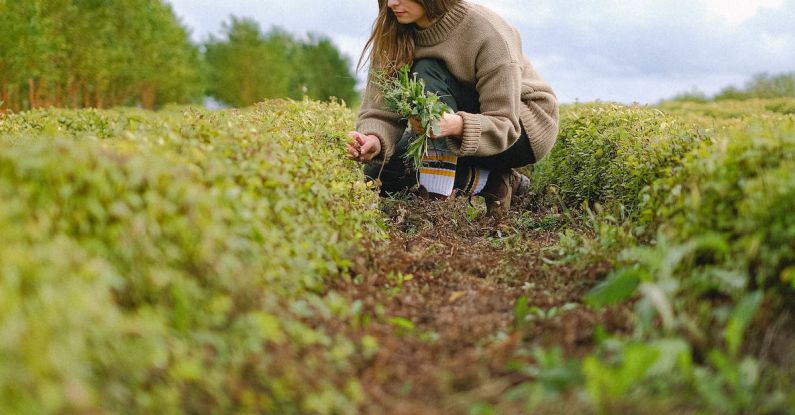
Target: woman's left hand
{"points": [[451, 125]]}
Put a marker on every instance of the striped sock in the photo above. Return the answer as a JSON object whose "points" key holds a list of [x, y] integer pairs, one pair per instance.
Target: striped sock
{"points": [[477, 180], [437, 173]]}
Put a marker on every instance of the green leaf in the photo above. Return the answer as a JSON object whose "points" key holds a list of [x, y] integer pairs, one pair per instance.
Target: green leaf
{"points": [[605, 382], [739, 320], [617, 287], [521, 309], [402, 323], [268, 326]]}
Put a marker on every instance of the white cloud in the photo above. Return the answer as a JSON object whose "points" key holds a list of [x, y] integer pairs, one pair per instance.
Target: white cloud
{"points": [[515, 11], [738, 11], [647, 50], [777, 45]]}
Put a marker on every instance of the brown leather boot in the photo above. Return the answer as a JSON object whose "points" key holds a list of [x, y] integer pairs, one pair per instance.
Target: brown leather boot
{"points": [[500, 189]]}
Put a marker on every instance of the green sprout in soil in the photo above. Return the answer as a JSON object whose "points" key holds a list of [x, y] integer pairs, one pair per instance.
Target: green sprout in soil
{"points": [[406, 96]]}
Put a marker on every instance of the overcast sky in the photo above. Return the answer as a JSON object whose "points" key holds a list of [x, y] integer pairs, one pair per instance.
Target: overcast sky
{"points": [[612, 50]]}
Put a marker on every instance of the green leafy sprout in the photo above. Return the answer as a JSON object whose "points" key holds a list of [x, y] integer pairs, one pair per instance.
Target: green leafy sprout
{"points": [[406, 96]]}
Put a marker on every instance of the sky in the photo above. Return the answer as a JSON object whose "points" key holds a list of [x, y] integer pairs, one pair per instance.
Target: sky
{"points": [[609, 50]]}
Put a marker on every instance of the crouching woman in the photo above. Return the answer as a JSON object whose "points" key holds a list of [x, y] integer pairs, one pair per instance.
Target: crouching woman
{"points": [[504, 115]]}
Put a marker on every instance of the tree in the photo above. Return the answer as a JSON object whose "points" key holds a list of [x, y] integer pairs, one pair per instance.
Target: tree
{"points": [[762, 86], [81, 53], [323, 72], [246, 66], [776, 86]]}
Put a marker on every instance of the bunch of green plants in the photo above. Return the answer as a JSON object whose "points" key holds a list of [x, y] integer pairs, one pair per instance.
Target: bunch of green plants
{"points": [[607, 153], [406, 96], [176, 262]]}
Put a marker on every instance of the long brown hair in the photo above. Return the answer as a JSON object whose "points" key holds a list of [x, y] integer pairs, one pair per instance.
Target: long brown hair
{"points": [[391, 44]]}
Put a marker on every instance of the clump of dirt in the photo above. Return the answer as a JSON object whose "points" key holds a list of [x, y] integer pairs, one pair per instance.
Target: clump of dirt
{"points": [[444, 289]]}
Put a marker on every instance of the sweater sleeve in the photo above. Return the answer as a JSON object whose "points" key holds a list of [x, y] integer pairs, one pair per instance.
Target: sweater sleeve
{"points": [[540, 116], [374, 119], [497, 125]]}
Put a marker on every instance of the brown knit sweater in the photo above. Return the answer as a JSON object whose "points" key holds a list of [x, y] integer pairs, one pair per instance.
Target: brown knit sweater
{"points": [[482, 50]]}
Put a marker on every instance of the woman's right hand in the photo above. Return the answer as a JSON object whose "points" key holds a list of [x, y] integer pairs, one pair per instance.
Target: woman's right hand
{"points": [[363, 148]]}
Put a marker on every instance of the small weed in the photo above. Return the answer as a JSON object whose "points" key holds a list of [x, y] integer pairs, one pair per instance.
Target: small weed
{"points": [[406, 388], [527, 222], [402, 325], [525, 314]]}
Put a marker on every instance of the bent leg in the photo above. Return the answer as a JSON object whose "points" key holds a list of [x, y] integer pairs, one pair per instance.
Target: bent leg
{"points": [[439, 166], [439, 80], [470, 173]]}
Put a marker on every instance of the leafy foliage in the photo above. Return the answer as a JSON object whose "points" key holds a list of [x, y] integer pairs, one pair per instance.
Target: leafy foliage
{"points": [[68, 53], [246, 66], [760, 86], [608, 153], [320, 72], [740, 189], [763, 86], [173, 262], [711, 266]]}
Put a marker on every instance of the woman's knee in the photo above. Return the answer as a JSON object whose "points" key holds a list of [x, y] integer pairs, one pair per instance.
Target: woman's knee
{"points": [[439, 80], [433, 71]]}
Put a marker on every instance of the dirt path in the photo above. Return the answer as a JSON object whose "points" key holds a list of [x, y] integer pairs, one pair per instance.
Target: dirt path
{"points": [[444, 291]]}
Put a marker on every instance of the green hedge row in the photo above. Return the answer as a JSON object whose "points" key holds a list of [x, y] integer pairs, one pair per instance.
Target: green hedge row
{"points": [[729, 177], [173, 262], [712, 199], [608, 153], [740, 189]]}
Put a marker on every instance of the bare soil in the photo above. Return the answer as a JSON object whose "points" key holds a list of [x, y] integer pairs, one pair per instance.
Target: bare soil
{"points": [[444, 288]]}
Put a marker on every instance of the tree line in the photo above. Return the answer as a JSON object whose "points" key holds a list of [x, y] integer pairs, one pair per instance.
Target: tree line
{"points": [[104, 53], [761, 85]]}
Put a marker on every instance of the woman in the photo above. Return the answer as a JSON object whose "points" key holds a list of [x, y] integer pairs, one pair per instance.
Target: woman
{"points": [[504, 115]]}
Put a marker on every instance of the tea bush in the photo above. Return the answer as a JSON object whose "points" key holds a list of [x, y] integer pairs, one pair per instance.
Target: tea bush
{"points": [[721, 271], [607, 153], [720, 118], [739, 189], [716, 272], [173, 262]]}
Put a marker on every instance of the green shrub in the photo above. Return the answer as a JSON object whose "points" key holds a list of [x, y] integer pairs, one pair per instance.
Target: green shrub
{"points": [[728, 114], [608, 153], [739, 188], [717, 264], [156, 262], [724, 251], [721, 232]]}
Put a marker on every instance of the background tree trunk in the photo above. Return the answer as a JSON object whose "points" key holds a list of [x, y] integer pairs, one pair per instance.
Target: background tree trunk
{"points": [[15, 99], [148, 95], [31, 94], [4, 96]]}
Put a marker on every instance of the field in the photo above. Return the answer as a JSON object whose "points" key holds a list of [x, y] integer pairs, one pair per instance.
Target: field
{"points": [[195, 261]]}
